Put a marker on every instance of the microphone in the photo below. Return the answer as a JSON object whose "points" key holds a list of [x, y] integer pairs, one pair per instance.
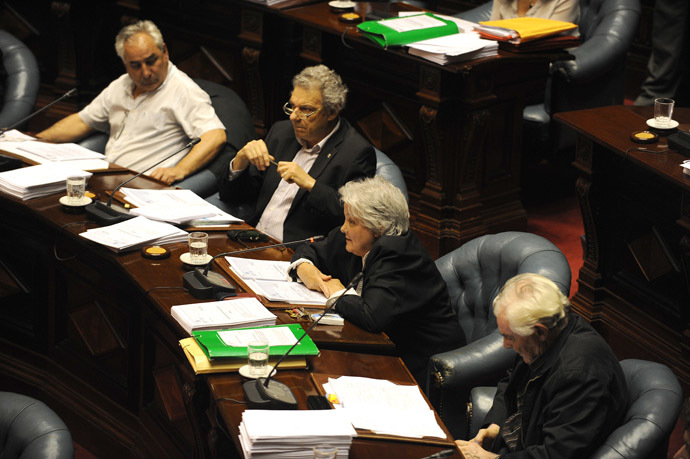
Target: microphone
{"points": [[276, 395], [203, 284], [21, 121], [105, 214]]}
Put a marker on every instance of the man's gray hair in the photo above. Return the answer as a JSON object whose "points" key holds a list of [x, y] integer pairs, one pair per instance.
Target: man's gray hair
{"points": [[529, 299], [129, 31], [333, 90], [378, 205]]}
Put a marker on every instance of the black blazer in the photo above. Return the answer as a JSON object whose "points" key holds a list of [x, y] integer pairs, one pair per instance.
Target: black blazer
{"points": [[403, 295], [346, 156]]}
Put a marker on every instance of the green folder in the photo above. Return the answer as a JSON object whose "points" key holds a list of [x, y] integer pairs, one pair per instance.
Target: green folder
{"points": [[379, 32], [214, 347]]}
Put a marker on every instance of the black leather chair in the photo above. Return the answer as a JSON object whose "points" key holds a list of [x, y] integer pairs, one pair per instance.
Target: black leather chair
{"points": [[475, 273], [239, 127], [386, 168], [655, 400], [594, 78], [31, 430], [21, 81]]}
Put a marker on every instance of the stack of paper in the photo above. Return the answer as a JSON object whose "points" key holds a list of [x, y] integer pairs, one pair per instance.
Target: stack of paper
{"points": [[236, 313], [384, 407], [293, 434], [176, 206], [269, 279], [454, 48], [41, 180], [134, 234], [43, 152]]}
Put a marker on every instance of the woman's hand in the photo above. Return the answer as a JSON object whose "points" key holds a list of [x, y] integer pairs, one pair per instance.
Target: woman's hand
{"points": [[313, 278]]}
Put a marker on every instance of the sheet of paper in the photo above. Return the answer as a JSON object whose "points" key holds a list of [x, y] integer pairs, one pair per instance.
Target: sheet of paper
{"points": [[289, 292], [133, 232], [384, 407], [58, 151], [175, 206], [275, 336], [14, 135], [249, 268], [416, 22]]}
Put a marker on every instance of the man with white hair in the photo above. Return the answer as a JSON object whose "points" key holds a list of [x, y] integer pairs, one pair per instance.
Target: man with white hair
{"points": [[566, 392], [150, 112]]}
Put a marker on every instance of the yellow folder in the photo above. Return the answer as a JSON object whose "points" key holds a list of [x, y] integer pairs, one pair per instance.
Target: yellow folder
{"points": [[528, 28]]}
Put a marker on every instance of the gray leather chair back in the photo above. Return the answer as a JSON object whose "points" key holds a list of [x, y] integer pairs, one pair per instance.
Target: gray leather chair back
{"points": [[474, 274], [31, 430], [386, 168], [655, 401], [22, 82]]}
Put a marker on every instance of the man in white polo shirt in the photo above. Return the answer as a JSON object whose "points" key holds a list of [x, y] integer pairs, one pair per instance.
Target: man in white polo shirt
{"points": [[150, 112]]}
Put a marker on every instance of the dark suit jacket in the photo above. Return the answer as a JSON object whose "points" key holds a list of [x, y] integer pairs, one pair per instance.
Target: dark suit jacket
{"points": [[403, 295], [346, 156]]}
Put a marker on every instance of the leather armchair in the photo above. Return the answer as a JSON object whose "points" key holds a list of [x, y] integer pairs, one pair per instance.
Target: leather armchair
{"points": [[30, 430], [386, 168], [474, 274], [655, 400], [22, 81]]}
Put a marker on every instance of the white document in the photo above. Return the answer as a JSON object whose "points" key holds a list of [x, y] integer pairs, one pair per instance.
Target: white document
{"points": [[176, 206], [415, 22], [252, 269], [15, 136], [274, 336], [240, 312], [385, 407], [40, 180], [135, 233], [293, 433], [57, 151], [288, 292]]}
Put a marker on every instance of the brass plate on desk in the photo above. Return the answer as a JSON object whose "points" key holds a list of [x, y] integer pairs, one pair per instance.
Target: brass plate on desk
{"points": [[350, 18]]}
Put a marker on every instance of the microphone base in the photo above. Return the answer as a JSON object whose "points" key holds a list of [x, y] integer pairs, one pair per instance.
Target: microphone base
{"points": [[277, 396], [105, 215], [204, 286]]}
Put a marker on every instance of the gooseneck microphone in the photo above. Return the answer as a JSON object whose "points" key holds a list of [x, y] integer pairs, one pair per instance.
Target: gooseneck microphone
{"points": [[203, 283], [267, 393], [69, 93], [106, 214]]}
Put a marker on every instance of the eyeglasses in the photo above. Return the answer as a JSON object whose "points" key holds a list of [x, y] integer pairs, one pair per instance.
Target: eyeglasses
{"points": [[300, 114]]}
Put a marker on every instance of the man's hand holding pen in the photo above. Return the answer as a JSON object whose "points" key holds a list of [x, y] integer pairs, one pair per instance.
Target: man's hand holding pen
{"points": [[256, 153]]}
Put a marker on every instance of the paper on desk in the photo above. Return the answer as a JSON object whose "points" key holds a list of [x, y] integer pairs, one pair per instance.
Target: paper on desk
{"points": [[176, 206], [454, 45], [45, 151], [252, 269], [243, 312], [289, 292], [14, 135], [385, 407], [274, 336], [135, 233]]}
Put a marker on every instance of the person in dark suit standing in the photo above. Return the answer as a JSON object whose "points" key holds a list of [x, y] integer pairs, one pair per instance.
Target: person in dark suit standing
{"points": [[294, 173], [401, 291]]}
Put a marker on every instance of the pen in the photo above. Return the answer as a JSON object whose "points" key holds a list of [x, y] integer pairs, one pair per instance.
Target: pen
{"points": [[443, 453]]}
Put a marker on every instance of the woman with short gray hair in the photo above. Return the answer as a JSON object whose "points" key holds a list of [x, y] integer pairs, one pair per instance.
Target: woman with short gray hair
{"points": [[401, 291]]}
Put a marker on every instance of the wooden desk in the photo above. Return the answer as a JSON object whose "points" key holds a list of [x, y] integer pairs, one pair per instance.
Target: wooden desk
{"points": [[634, 285], [90, 333], [227, 388]]}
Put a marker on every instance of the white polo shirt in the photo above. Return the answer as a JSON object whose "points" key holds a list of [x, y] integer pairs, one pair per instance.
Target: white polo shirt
{"points": [[145, 130]]}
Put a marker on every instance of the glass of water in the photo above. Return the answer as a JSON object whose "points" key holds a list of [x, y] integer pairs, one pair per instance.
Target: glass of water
{"points": [[663, 112], [257, 355], [198, 247]]}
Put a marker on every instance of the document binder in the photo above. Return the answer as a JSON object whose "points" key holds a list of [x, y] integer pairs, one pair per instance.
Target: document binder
{"points": [[397, 32], [214, 347], [524, 29]]}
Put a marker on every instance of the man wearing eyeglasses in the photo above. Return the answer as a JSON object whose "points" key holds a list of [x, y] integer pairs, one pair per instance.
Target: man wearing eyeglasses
{"points": [[295, 173], [150, 112]]}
